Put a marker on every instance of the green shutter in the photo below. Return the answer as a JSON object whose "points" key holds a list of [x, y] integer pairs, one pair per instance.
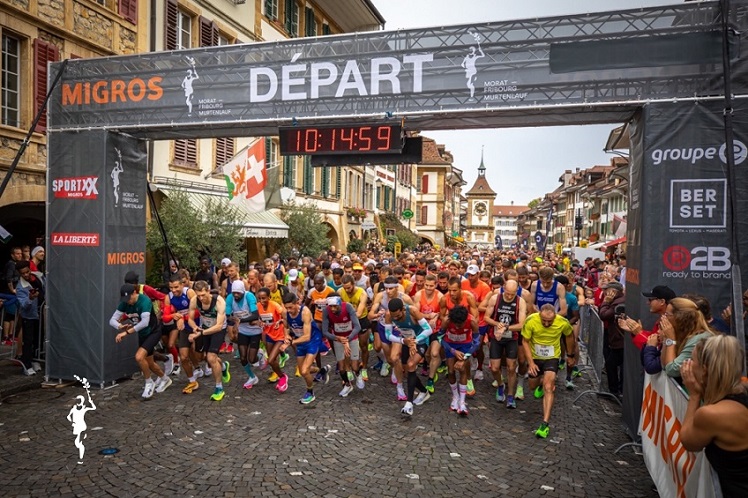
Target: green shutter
{"points": [[325, 29], [338, 188], [288, 180], [308, 176], [310, 23], [325, 182], [268, 152]]}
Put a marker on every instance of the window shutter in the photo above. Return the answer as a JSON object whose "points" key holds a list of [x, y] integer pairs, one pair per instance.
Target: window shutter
{"points": [[185, 152], [292, 21], [308, 176], [418, 217], [310, 23], [287, 180], [338, 174], [129, 10], [418, 184], [43, 53], [208, 33], [424, 215], [224, 151], [325, 182], [325, 29], [425, 184], [172, 13], [270, 12]]}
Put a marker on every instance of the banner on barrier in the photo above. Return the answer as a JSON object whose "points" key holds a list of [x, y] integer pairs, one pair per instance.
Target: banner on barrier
{"points": [[675, 471]]}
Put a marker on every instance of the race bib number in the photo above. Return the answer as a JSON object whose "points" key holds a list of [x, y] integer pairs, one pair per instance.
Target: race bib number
{"points": [[343, 328], [507, 334], [206, 322], [407, 333], [297, 332], [456, 337], [545, 351], [241, 314], [267, 318]]}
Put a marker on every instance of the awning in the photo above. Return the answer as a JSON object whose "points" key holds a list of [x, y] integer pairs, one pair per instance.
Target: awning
{"points": [[256, 225], [615, 241]]}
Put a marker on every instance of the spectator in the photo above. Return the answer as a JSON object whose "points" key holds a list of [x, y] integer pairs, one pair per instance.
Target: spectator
{"points": [[614, 357], [37, 259], [682, 326], [715, 324], [718, 426], [173, 269], [658, 299], [30, 294]]}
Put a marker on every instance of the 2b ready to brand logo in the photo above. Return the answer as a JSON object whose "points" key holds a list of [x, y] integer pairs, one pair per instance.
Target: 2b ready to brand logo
{"points": [[694, 154], [699, 262], [81, 187]]}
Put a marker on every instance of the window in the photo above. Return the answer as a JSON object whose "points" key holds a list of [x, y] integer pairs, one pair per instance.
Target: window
{"points": [[128, 9], [224, 151], [44, 53], [425, 184], [325, 182], [184, 30], [222, 40], [310, 23], [271, 9], [308, 176], [289, 172], [11, 81], [325, 29], [185, 153], [271, 153], [292, 18]]}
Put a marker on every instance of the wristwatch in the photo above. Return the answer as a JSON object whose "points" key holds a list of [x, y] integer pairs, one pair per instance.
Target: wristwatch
{"points": [[670, 342]]}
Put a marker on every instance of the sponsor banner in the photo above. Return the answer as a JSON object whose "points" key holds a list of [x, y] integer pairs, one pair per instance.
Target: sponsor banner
{"points": [[75, 239], [675, 471], [82, 187], [479, 67]]}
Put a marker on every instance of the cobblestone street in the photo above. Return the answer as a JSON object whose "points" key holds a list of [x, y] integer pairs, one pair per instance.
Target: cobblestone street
{"points": [[263, 443]]}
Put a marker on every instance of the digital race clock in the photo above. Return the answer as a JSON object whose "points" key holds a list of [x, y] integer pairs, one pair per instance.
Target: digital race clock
{"points": [[358, 139]]}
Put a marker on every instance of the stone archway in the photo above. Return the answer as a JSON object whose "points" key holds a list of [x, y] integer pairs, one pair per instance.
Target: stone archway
{"points": [[332, 234], [425, 239]]}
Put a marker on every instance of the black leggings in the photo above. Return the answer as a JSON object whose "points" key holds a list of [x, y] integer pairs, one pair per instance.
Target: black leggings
{"points": [[248, 347]]}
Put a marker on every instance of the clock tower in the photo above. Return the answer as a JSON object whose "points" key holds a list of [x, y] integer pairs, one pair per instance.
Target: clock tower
{"points": [[480, 198]]}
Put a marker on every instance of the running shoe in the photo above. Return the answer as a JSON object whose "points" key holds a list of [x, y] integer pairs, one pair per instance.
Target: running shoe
{"points": [[225, 374], [442, 368], [230, 348], [575, 372], [297, 373], [365, 375], [222, 349], [199, 373], [495, 384], [162, 383], [262, 359], [360, 382], [283, 359], [520, 392], [430, 386], [377, 365], [169, 365], [307, 398], [371, 346], [347, 389], [510, 403], [569, 385], [393, 378], [407, 409], [463, 410], [351, 376], [177, 370], [207, 371], [500, 396], [470, 388], [192, 386], [455, 405], [218, 394], [326, 374], [436, 377], [237, 353], [384, 370], [401, 393], [543, 430], [478, 375], [282, 384], [421, 398], [147, 392], [251, 382], [273, 377], [538, 392], [425, 371], [561, 365]]}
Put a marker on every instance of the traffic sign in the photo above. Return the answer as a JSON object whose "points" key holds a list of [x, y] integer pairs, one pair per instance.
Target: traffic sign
{"points": [[407, 214]]}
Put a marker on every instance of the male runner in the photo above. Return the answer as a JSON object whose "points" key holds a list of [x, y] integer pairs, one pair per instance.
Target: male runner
{"points": [[303, 334], [341, 327], [461, 340], [135, 314], [542, 334], [480, 291], [175, 310], [427, 302], [243, 315], [457, 297], [350, 293], [548, 291], [212, 311], [414, 332]]}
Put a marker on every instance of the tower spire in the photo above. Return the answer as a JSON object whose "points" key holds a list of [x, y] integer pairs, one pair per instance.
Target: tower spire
{"points": [[482, 167]]}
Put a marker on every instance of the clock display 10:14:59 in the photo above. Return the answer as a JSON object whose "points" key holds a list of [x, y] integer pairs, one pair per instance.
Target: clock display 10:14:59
{"points": [[363, 139]]}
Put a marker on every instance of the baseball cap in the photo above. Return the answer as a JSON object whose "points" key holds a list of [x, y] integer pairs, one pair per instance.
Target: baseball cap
{"points": [[473, 269], [346, 258], [334, 265], [293, 274], [613, 285], [661, 292], [126, 291], [225, 261], [131, 277], [237, 286], [357, 266]]}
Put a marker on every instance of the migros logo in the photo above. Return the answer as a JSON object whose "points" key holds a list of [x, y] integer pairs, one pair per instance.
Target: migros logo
{"points": [[109, 92], [125, 258], [694, 154]]}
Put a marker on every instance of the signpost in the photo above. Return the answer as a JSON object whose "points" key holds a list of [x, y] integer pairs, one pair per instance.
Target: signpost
{"points": [[407, 214]]}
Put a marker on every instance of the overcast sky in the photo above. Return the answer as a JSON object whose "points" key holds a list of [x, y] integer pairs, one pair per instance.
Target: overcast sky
{"points": [[521, 163]]}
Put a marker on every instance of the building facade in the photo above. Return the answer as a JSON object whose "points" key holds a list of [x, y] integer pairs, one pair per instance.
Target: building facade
{"points": [[480, 208], [505, 219]]}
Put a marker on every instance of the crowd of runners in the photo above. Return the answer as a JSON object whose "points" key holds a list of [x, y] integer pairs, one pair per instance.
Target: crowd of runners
{"points": [[418, 319]]}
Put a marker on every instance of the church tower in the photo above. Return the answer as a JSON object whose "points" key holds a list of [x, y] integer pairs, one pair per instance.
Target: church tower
{"points": [[480, 199]]}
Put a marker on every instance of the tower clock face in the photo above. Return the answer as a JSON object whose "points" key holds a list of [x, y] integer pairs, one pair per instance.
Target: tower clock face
{"points": [[480, 209]]}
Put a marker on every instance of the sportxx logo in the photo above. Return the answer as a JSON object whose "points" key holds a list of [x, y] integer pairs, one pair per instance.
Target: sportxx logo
{"points": [[694, 154], [699, 262], [81, 187]]}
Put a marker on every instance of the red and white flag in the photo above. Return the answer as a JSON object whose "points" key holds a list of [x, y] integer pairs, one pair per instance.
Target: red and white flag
{"points": [[246, 177]]}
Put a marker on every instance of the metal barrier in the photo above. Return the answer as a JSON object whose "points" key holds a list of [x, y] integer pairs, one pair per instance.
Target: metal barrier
{"points": [[591, 341]]}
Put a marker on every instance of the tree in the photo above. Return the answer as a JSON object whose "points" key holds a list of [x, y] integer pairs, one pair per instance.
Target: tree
{"points": [[216, 232], [533, 203], [305, 230]]}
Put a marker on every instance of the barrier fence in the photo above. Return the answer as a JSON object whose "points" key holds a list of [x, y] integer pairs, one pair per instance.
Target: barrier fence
{"points": [[592, 342]]}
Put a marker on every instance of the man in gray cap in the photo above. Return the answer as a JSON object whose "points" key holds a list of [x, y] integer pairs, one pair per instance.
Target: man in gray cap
{"points": [[613, 300]]}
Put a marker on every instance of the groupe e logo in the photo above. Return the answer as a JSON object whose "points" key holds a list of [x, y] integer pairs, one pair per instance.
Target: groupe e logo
{"points": [[694, 154]]}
